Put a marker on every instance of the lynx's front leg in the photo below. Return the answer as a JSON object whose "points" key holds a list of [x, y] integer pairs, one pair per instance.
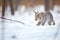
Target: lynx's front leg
{"points": [[38, 23], [43, 22]]}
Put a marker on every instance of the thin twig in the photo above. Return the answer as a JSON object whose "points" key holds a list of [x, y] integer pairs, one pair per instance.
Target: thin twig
{"points": [[12, 20]]}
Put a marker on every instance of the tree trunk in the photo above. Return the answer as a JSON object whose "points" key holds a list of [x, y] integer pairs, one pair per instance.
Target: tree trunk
{"points": [[46, 5], [17, 4], [11, 6], [3, 7]]}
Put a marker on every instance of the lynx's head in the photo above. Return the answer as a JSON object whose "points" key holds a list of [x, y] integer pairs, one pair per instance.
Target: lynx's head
{"points": [[36, 15]]}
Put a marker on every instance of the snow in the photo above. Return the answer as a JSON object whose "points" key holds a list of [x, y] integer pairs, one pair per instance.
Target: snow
{"points": [[29, 31]]}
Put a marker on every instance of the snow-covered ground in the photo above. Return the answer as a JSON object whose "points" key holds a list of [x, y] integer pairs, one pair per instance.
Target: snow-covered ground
{"points": [[29, 30]]}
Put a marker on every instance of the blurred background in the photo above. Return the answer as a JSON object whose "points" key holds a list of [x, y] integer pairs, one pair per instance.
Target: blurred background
{"points": [[14, 4], [17, 21]]}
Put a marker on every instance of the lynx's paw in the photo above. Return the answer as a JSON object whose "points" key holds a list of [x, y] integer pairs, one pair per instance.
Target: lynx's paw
{"points": [[38, 23], [53, 23]]}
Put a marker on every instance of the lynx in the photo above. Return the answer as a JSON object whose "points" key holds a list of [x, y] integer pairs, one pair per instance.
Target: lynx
{"points": [[43, 17]]}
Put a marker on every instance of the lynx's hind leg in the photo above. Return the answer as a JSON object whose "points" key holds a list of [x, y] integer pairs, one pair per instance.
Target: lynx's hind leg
{"points": [[53, 22], [49, 23]]}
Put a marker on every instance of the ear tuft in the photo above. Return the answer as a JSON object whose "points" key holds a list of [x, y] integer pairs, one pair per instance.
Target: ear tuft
{"points": [[34, 12], [37, 12]]}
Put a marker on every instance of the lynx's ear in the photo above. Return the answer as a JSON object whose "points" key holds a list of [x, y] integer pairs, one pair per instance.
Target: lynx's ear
{"points": [[34, 12]]}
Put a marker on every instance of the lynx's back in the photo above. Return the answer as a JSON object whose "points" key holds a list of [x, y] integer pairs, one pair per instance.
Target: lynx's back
{"points": [[49, 16]]}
